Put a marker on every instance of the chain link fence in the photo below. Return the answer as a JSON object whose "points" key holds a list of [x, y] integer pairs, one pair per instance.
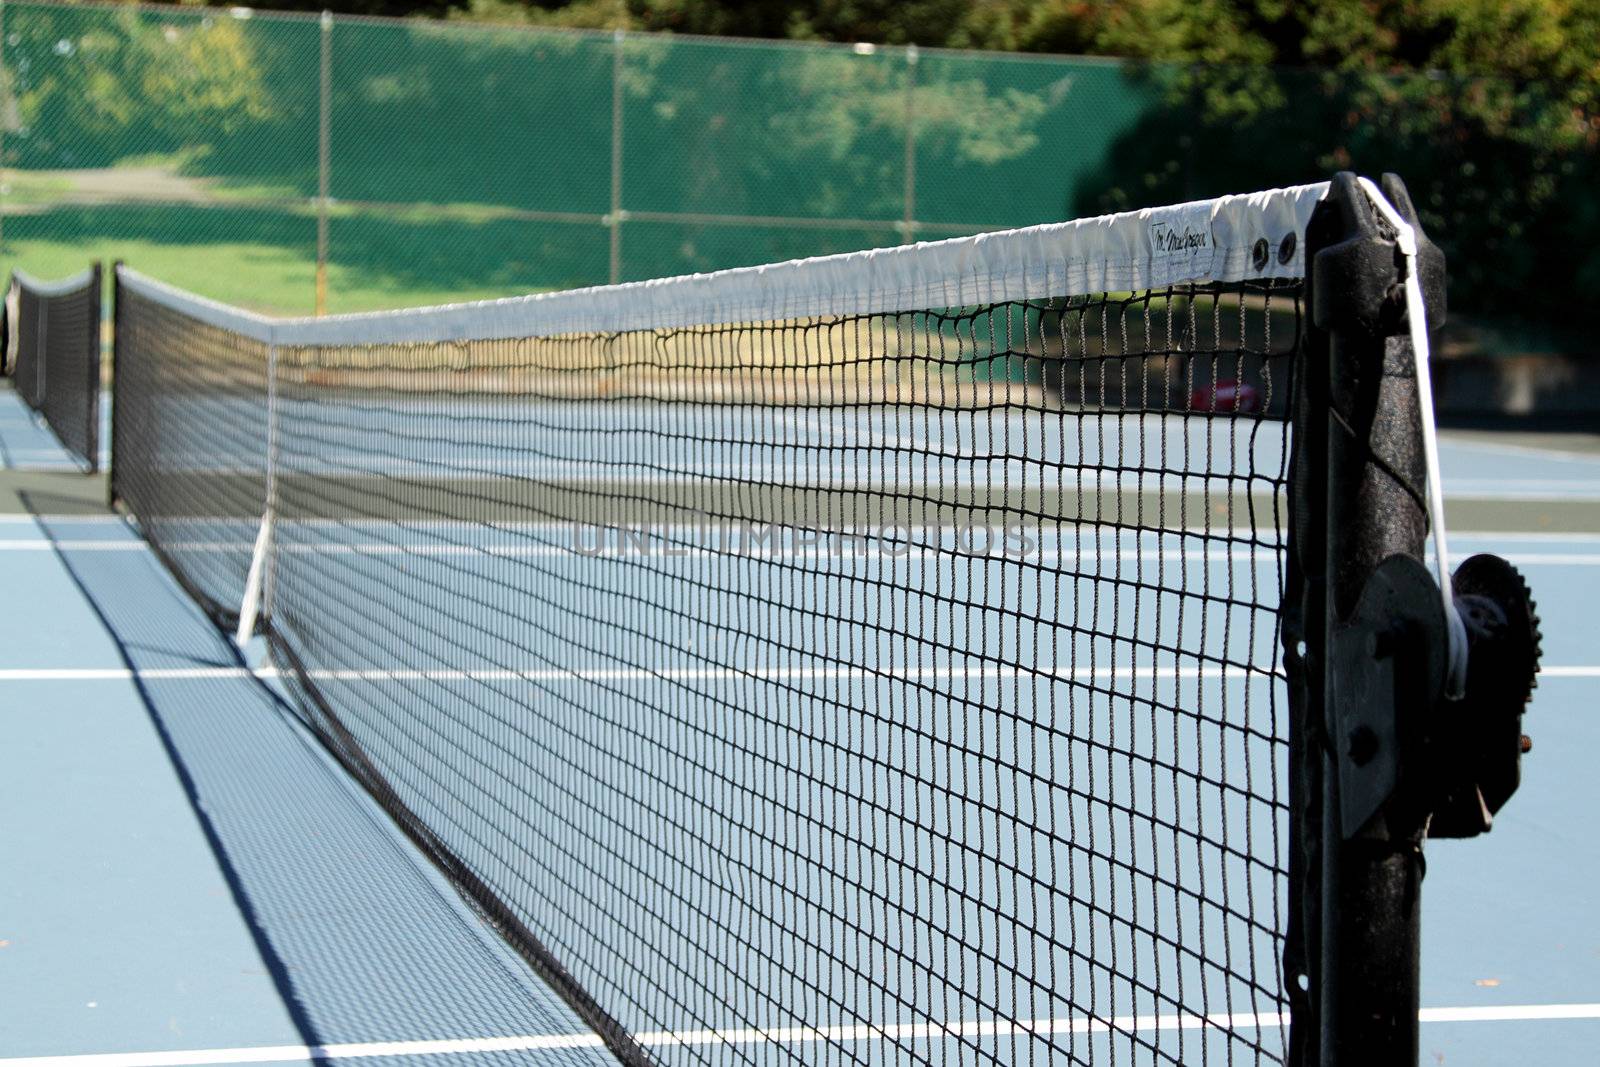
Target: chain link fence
{"points": [[337, 163], [295, 162]]}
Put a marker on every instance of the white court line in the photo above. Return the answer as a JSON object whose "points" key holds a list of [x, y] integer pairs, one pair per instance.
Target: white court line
{"points": [[1508, 448], [1553, 559], [33, 520], [1531, 536], [1484, 485], [123, 674], [73, 546], [1582, 492], [968, 1029], [634, 674], [1510, 1013]]}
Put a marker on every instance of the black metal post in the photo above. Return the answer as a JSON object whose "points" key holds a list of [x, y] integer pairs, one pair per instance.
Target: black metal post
{"points": [[1361, 501], [116, 369], [97, 288]]}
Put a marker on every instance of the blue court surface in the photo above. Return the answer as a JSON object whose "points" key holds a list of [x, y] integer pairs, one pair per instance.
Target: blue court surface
{"points": [[190, 879]]}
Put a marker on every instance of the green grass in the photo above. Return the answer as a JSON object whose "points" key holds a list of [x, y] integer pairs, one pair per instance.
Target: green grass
{"points": [[232, 192], [264, 257], [25, 188], [260, 277], [253, 276], [172, 161]]}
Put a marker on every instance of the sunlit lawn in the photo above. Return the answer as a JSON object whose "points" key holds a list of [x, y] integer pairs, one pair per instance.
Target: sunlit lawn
{"points": [[263, 278]]}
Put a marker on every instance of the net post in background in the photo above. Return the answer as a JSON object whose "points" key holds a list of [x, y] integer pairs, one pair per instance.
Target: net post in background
{"points": [[13, 323], [113, 495], [111, 459], [24, 372], [1352, 961], [8, 326], [90, 379]]}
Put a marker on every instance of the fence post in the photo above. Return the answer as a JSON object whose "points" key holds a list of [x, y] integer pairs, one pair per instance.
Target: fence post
{"points": [[5, 111], [908, 224], [614, 219], [324, 150]]}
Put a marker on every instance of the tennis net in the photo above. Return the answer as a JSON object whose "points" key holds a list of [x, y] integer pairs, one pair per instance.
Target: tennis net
{"points": [[863, 659], [57, 357]]}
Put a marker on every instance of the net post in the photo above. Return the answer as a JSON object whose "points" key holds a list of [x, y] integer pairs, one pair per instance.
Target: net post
{"points": [[1360, 465], [112, 496], [41, 338], [6, 324], [96, 301], [324, 153]]}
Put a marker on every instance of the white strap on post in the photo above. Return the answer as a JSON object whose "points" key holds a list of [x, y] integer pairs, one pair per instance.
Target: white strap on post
{"points": [[1417, 316]]}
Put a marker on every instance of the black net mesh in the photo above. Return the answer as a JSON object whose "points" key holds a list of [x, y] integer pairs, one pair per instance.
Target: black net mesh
{"points": [[892, 688], [57, 358], [189, 443]]}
